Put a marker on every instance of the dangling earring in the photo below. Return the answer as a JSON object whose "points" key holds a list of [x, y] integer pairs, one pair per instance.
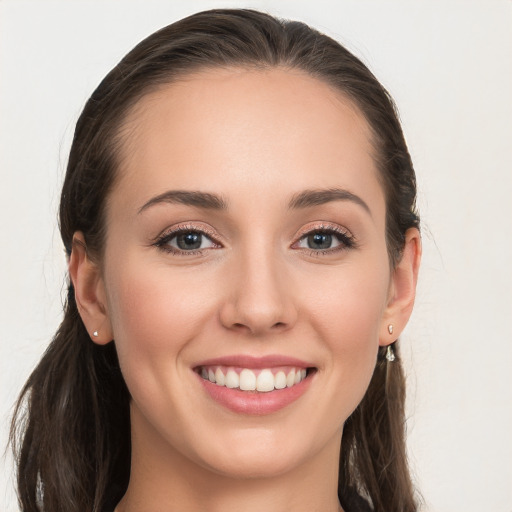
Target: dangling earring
{"points": [[390, 354]]}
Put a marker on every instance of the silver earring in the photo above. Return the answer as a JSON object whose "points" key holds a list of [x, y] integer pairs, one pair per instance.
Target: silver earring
{"points": [[390, 354], [390, 328], [95, 334]]}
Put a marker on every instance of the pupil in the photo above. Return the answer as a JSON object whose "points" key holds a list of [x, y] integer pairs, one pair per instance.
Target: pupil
{"points": [[319, 241], [189, 241]]}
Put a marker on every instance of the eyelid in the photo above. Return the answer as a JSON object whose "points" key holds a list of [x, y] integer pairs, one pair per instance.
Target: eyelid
{"points": [[348, 239], [161, 240], [189, 226], [322, 226]]}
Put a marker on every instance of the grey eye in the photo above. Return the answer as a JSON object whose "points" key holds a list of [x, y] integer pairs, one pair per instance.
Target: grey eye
{"points": [[319, 241], [190, 240]]}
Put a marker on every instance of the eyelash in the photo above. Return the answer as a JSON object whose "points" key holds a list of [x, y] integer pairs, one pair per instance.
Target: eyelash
{"points": [[162, 241], [345, 239]]}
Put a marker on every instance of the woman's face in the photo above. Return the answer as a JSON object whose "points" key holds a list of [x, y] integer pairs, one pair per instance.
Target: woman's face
{"points": [[246, 245]]}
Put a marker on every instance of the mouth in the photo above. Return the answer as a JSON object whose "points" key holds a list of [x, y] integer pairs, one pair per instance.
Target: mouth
{"points": [[255, 385], [260, 380]]}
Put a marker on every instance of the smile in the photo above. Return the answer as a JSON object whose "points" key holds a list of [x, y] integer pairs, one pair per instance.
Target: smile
{"points": [[255, 385], [247, 379]]}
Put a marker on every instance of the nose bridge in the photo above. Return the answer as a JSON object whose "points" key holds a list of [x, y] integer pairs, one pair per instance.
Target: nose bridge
{"points": [[260, 298]]}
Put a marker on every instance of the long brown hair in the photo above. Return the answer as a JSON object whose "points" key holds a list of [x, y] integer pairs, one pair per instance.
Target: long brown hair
{"points": [[71, 429]]}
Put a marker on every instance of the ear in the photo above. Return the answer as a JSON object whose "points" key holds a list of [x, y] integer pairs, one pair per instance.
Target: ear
{"points": [[402, 289], [90, 293]]}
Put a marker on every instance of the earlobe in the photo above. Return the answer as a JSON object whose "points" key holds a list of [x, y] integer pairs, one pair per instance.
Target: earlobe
{"points": [[90, 293], [402, 289]]}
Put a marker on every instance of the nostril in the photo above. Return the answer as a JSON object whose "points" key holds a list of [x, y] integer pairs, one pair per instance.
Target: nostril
{"points": [[240, 326]]}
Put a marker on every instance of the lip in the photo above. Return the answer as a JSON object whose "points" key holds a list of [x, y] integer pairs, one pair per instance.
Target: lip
{"points": [[254, 362], [251, 402]]}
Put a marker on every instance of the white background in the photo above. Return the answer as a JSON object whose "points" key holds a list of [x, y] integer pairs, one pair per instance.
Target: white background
{"points": [[449, 67]]}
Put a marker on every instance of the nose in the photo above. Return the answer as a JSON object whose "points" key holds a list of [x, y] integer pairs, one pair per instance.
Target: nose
{"points": [[260, 297]]}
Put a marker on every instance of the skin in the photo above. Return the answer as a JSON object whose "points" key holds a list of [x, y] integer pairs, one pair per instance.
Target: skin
{"points": [[256, 138]]}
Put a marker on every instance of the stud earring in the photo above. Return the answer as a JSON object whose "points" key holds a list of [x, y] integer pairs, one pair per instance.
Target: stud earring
{"points": [[390, 328], [390, 354], [95, 334]]}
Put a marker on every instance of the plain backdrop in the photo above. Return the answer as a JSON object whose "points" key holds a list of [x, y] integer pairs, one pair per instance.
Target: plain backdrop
{"points": [[449, 67]]}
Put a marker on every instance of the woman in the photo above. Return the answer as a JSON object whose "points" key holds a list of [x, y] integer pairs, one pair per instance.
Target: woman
{"points": [[239, 216]]}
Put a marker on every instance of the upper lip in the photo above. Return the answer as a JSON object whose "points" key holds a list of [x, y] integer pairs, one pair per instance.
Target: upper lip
{"points": [[247, 361]]}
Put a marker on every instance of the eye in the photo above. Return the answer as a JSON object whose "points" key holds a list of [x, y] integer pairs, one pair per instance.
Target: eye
{"points": [[319, 240], [325, 239], [190, 241], [183, 240]]}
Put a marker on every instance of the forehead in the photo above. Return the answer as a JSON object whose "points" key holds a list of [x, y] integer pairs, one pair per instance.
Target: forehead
{"points": [[239, 129]]}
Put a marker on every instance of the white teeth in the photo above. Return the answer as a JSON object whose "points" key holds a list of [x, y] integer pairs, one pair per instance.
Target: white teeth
{"points": [[247, 380], [280, 380], [290, 379], [265, 381], [232, 379], [219, 377]]}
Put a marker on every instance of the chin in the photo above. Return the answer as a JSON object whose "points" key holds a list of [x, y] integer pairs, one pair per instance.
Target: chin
{"points": [[261, 453], [260, 464]]}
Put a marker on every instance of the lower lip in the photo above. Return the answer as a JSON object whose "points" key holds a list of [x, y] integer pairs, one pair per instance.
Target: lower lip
{"points": [[253, 402]]}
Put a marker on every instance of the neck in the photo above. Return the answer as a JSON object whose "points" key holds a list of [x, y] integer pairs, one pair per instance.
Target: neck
{"points": [[164, 480]]}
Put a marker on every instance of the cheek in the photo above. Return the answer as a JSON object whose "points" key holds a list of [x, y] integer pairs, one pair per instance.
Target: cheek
{"points": [[351, 306], [348, 316], [153, 314]]}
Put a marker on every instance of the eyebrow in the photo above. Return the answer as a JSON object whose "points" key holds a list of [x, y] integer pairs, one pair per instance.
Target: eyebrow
{"points": [[204, 200], [209, 201], [317, 197]]}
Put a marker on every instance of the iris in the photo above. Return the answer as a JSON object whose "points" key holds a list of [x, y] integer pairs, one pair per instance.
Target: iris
{"points": [[320, 241], [190, 240]]}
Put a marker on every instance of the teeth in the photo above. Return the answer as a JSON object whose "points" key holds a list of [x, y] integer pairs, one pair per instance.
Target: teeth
{"points": [[290, 379], [265, 381], [219, 377], [232, 379], [247, 380], [280, 380]]}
